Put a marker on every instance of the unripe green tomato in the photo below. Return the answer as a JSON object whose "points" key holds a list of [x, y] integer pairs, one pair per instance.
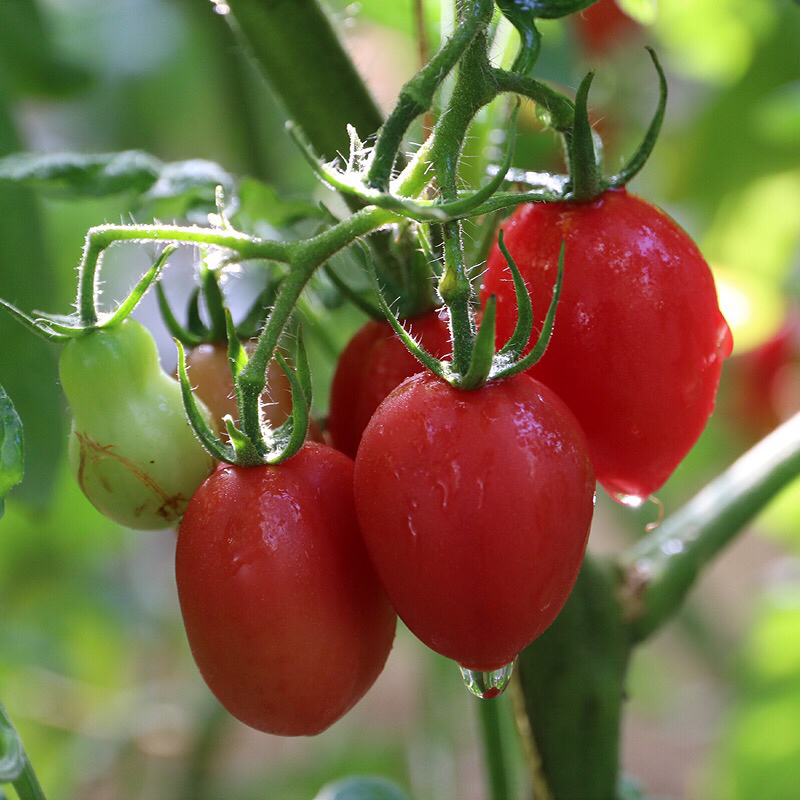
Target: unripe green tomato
{"points": [[131, 448]]}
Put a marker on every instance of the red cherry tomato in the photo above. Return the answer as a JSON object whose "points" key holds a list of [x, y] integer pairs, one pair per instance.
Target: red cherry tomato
{"points": [[285, 617], [763, 383], [639, 338], [602, 26], [374, 362], [475, 508]]}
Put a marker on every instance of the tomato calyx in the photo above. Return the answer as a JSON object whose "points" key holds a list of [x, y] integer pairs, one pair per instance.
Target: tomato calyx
{"points": [[253, 442], [196, 331], [61, 328], [586, 181], [353, 181], [478, 349]]}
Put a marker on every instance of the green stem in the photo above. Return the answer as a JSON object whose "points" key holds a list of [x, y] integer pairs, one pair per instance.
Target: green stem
{"points": [[303, 59], [656, 575], [27, 786], [560, 107], [416, 96], [474, 89], [306, 257], [493, 743], [103, 236], [14, 762]]}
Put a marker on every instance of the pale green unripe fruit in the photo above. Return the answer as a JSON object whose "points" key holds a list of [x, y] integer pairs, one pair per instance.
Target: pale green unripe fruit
{"points": [[131, 447]]}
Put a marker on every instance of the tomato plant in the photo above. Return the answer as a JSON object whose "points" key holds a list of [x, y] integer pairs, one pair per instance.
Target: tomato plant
{"points": [[639, 339], [210, 371], [284, 615], [475, 508], [131, 448], [374, 362]]}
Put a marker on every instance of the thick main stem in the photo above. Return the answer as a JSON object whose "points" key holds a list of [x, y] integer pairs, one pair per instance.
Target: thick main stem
{"points": [[473, 90], [302, 57], [657, 574], [493, 743]]}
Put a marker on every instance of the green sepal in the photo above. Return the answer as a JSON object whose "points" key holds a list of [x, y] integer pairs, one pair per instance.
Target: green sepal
{"points": [[291, 436], [639, 158], [215, 304], [518, 14], [519, 339], [193, 320], [585, 181], [176, 330], [547, 328], [482, 357], [419, 352], [351, 184], [207, 437], [12, 451], [247, 453], [352, 295], [36, 326], [237, 355], [124, 309]]}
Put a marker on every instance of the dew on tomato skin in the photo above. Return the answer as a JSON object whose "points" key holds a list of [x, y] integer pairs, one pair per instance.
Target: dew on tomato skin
{"points": [[486, 685]]}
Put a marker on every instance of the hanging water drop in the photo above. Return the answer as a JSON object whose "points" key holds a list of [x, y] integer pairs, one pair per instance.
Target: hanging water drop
{"points": [[629, 500], [488, 684]]}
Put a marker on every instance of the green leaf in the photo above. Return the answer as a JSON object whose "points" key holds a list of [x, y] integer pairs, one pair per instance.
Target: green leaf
{"points": [[83, 175], [27, 364], [259, 201], [11, 447], [186, 185], [361, 788], [173, 189]]}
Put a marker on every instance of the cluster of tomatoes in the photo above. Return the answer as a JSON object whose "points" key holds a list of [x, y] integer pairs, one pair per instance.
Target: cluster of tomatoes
{"points": [[466, 513]]}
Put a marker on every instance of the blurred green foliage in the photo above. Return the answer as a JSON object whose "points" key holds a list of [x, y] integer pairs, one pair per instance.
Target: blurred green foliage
{"points": [[94, 668]]}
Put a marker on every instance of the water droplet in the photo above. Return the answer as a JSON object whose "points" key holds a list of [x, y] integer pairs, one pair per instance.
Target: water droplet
{"points": [[629, 500], [486, 685], [221, 7]]}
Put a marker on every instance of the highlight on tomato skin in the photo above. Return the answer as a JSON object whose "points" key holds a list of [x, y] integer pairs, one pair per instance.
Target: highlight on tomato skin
{"points": [[639, 339], [372, 364], [286, 619], [475, 507]]}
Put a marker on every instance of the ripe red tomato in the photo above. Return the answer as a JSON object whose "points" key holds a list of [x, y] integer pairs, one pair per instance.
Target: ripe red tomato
{"points": [[374, 362], [763, 385], [639, 338], [603, 25], [210, 375], [285, 617], [475, 508]]}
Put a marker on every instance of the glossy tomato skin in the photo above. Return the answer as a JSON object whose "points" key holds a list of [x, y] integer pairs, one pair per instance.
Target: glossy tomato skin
{"points": [[285, 617], [374, 362], [602, 26], [475, 508], [210, 375], [639, 339]]}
